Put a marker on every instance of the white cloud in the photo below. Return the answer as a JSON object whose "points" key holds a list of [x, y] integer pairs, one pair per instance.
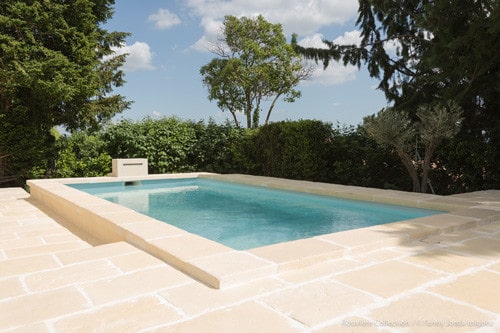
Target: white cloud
{"points": [[164, 19], [349, 38], [303, 17], [213, 31], [139, 56], [335, 73], [314, 40]]}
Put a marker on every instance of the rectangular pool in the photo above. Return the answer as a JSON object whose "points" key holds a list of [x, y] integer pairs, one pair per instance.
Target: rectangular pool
{"points": [[245, 216]]}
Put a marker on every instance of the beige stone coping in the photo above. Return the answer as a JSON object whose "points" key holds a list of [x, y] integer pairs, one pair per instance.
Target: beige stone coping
{"points": [[220, 266]]}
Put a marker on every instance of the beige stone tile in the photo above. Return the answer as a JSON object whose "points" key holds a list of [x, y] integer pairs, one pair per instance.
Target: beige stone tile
{"points": [[411, 199], [492, 228], [300, 253], [151, 229], [75, 274], [98, 252], [188, 246], [10, 288], [480, 289], [52, 229], [249, 317], [194, 298], [66, 237], [365, 239], [229, 268], [495, 267], [451, 237], [427, 313], [34, 230], [31, 328], [389, 278], [46, 248], [20, 242], [319, 270], [382, 255], [447, 203], [130, 316], [134, 284], [446, 221], [410, 230], [20, 266], [318, 302], [477, 213], [125, 217], [40, 306], [135, 260], [5, 236], [484, 247], [445, 261]]}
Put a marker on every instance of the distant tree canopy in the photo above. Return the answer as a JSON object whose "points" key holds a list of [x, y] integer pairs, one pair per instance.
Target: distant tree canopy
{"points": [[56, 69], [254, 64], [426, 51]]}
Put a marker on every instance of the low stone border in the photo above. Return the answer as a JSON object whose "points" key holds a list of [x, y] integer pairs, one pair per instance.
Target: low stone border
{"points": [[220, 266]]}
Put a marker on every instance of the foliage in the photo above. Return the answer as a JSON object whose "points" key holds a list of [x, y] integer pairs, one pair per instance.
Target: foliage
{"points": [[356, 159], [305, 149], [426, 51], [165, 142], [56, 68], [255, 64], [218, 148], [396, 130], [457, 162], [82, 154], [297, 150]]}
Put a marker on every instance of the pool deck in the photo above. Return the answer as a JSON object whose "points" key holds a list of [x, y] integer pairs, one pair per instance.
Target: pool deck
{"points": [[440, 273]]}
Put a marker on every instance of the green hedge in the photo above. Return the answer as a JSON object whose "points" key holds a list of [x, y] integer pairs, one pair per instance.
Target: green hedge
{"points": [[304, 149]]}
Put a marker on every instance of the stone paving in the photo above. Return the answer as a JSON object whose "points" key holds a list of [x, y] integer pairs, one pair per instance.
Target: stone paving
{"points": [[56, 278]]}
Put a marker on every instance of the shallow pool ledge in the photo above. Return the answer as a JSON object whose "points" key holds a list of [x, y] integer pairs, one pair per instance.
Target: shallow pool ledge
{"points": [[221, 267]]}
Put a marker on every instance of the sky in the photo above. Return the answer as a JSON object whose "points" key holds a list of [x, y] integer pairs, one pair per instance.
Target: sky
{"points": [[170, 42]]}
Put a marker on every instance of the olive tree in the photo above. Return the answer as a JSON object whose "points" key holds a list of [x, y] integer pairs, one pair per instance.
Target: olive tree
{"points": [[395, 129], [254, 64]]}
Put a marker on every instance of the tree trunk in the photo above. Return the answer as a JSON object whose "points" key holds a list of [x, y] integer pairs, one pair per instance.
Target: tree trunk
{"points": [[271, 108], [236, 122], [408, 163], [248, 110], [426, 167]]}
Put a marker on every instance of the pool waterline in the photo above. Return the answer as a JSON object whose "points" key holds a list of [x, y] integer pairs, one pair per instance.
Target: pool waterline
{"points": [[219, 266], [246, 216]]}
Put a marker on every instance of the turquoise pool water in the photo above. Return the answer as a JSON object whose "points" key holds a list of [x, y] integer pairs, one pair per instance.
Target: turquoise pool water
{"points": [[244, 217]]}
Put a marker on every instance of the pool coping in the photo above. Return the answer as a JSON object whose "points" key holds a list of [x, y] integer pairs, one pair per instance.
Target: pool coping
{"points": [[222, 267]]}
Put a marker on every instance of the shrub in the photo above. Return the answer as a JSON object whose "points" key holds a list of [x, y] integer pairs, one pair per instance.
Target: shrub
{"points": [[297, 150], [82, 154]]}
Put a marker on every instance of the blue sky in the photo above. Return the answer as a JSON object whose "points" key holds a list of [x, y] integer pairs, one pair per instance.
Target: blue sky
{"points": [[170, 40]]}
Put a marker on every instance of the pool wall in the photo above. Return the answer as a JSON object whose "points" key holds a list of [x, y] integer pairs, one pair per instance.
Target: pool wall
{"points": [[219, 266]]}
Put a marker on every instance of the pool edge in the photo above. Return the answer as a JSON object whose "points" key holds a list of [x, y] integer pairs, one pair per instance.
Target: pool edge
{"points": [[220, 266]]}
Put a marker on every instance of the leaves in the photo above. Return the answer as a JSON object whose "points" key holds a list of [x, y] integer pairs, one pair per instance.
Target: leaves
{"points": [[52, 70], [255, 64]]}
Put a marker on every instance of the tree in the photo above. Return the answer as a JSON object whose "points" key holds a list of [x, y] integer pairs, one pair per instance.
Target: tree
{"points": [[255, 64], [396, 130], [56, 68], [425, 52]]}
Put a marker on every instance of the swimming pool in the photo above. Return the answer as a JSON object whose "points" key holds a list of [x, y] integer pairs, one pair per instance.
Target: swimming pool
{"points": [[243, 216]]}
